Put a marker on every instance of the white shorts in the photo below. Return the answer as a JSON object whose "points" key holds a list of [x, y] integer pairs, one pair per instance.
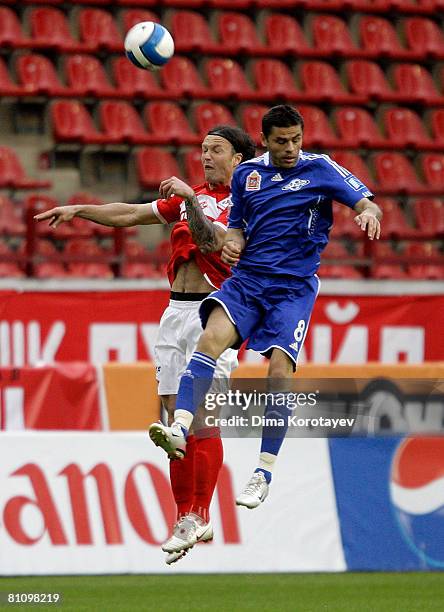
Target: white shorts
{"points": [[179, 331]]}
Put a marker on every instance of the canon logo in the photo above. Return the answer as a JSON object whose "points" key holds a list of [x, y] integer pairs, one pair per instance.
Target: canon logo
{"points": [[132, 497]]}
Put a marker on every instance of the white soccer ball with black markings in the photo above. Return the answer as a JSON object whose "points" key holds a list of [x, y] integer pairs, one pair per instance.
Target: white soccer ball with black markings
{"points": [[149, 45]]}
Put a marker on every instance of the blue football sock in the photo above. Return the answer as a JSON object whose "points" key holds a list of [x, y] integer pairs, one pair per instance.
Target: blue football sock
{"points": [[194, 385], [273, 433]]}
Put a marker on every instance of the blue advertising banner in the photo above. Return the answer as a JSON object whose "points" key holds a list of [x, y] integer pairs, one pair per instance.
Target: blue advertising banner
{"points": [[390, 498]]}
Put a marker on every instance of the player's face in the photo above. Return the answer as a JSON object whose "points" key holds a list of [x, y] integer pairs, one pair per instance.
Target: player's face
{"points": [[284, 144], [218, 160]]}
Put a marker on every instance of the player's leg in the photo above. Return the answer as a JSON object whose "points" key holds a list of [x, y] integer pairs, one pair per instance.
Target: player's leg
{"points": [[181, 472], [219, 334], [209, 449], [280, 375], [281, 337]]}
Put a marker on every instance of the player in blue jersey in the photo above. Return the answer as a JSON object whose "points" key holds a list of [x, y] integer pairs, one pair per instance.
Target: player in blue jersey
{"points": [[279, 224]]}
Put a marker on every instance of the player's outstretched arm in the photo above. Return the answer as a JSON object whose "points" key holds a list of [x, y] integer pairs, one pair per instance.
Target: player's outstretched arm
{"points": [[117, 214], [369, 217], [233, 246], [208, 236]]}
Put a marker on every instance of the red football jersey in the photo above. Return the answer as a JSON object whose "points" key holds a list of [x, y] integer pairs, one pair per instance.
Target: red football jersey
{"points": [[215, 205]]}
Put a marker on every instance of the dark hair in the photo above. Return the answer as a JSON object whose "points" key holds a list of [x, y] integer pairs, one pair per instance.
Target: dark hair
{"points": [[240, 140], [282, 115]]}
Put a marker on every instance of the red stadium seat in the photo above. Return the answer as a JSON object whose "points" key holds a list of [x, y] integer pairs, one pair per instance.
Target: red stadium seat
{"points": [[131, 17], [7, 87], [395, 174], [180, 78], [379, 37], [273, 80], [98, 30], [321, 82], [284, 36], [121, 123], [429, 215], [424, 271], [433, 168], [9, 268], [226, 78], [228, 4], [275, 4], [168, 122], [343, 224], [339, 272], [357, 127], [208, 114], [37, 76], [11, 218], [415, 84], [382, 270], [395, 224], [191, 32], [86, 76], [185, 4], [71, 122], [47, 269], [87, 248], [424, 37], [11, 34], [405, 128], [138, 269], [317, 129], [331, 36], [335, 250], [153, 166], [251, 116], [193, 166], [142, 3], [437, 124], [133, 82], [237, 34], [12, 174], [354, 164], [50, 28], [367, 79]]}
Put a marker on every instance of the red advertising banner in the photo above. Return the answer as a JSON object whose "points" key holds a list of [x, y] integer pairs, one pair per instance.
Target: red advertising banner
{"points": [[47, 327], [62, 397]]}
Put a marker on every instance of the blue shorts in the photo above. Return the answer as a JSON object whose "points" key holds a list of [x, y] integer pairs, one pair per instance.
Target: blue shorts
{"points": [[272, 312]]}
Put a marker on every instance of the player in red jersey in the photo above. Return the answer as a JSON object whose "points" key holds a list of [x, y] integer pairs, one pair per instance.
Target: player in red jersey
{"points": [[194, 270]]}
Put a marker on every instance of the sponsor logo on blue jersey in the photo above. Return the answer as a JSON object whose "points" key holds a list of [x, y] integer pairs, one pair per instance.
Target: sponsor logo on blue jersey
{"points": [[295, 185]]}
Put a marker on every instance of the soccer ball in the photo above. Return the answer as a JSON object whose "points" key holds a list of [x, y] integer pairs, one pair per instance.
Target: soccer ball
{"points": [[149, 45]]}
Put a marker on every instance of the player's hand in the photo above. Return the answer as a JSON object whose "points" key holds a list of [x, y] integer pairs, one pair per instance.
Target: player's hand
{"points": [[174, 186], [368, 221], [231, 252], [58, 215]]}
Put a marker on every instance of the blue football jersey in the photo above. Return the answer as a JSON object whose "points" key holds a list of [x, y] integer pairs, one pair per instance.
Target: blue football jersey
{"points": [[286, 214]]}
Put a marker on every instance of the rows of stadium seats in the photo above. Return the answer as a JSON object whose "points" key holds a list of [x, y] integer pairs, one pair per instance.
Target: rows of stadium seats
{"points": [[166, 123], [423, 219], [366, 84], [282, 34], [371, 6], [271, 79], [389, 262]]}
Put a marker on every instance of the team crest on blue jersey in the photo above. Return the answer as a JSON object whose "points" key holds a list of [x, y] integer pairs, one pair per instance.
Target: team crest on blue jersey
{"points": [[295, 185], [253, 181]]}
